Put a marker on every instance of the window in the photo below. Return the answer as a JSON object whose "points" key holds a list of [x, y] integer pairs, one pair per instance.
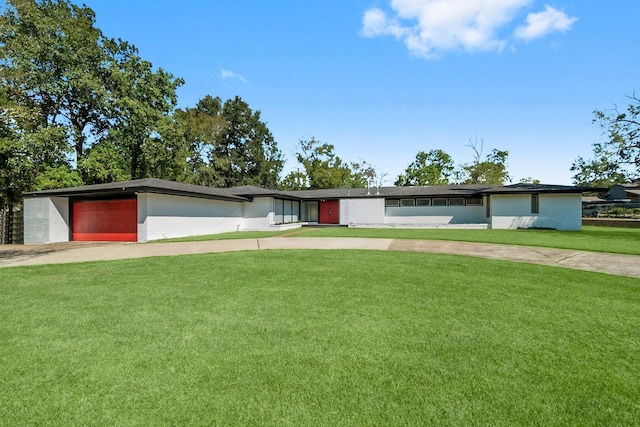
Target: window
{"points": [[407, 202], [474, 201], [279, 211], [439, 202], [457, 201], [391, 202], [535, 203], [423, 202]]}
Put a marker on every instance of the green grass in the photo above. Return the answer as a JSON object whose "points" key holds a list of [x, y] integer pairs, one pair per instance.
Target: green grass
{"points": [[317, 338], [596, 239]]}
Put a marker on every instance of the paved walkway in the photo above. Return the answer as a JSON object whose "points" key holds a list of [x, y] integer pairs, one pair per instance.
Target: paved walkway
{"points": [[25, 255]]}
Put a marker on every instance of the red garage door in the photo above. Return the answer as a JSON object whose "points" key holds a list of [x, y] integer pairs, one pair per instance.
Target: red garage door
{"points": [[329, 212], [106, 220]]}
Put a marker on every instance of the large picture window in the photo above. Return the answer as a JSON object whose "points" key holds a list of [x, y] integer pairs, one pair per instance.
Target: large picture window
{"points": [[286, 211]]}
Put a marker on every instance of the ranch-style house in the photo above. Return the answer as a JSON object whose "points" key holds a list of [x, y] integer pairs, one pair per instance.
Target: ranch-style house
{"points": [[152, 209]]}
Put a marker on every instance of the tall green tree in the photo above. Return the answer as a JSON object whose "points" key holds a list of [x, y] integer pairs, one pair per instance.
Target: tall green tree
{"points": [[325, 170], [31, 156], [491, 170], [615, 160], [143, 101], [111, 106], [246, 152], [229, 144], [203, 126], [429, 168], [53, 60]]}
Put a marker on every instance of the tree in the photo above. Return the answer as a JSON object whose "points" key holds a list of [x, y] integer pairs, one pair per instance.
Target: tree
{"points": [[228, 144], [295, 180], [29, 151], [363, 174], [616, 159], [97, 91], [246, 152], [53, 61], [601, 171], [202, 127], [429, 168], [492, 170], [143, 102], [323, 168], [529, 180]]}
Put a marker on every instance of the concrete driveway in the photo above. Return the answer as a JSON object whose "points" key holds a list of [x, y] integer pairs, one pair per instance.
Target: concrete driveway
{"points": [[26, 255]]}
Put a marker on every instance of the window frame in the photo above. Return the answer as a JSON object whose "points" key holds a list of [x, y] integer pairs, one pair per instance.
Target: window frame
{"points": [[535, 204]]}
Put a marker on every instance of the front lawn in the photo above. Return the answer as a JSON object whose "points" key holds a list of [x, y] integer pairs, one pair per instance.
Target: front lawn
{"points": [[317, 338], [596, 239]]}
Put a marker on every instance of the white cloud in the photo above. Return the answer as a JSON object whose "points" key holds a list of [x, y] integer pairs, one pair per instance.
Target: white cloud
{"points": [[375, 23], [230, 75], [430, 27], [542, 23]]}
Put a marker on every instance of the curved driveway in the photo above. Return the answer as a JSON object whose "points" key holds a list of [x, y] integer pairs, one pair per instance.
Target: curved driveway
{"points": [[25, 255]]}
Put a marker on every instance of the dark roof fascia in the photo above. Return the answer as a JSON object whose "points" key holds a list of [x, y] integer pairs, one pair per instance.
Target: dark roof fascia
{"points": [[252, 192], [393, 192], [150, 185], [248, 193], [540, 189]]}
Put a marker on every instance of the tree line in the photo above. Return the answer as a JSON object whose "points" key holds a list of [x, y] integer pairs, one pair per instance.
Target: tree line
{"points": [[78, 107]]}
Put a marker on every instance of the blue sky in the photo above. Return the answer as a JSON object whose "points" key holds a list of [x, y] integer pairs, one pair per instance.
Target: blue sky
{"points": [[384, 79]]}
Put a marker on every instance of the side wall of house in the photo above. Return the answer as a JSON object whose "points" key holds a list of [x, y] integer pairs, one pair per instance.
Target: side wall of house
{"points": [[258, 214], [434, 215], [46, 219], [362, 211], [162, 216], [556, 211]]}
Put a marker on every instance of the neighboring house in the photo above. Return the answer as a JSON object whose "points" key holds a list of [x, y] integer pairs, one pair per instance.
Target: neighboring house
{"points": [[625, 193], [617, 197], [151, 209]]}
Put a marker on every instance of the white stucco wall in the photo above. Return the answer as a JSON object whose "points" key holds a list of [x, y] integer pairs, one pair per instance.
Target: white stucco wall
{"points": [[46, 219], [362, 211], [163, 216], [557, 211], [257, 215], [435, 215]]}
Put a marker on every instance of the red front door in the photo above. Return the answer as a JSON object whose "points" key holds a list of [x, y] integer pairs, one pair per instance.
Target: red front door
{"points": [[330, 212], [106, 220]]}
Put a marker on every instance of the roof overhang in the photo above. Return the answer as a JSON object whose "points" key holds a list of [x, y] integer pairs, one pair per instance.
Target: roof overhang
{"points": [[130, 188]]}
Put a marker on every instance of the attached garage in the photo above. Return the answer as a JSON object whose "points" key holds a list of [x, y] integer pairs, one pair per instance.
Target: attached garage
{"points": [[130, 211], [105, 220]]}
